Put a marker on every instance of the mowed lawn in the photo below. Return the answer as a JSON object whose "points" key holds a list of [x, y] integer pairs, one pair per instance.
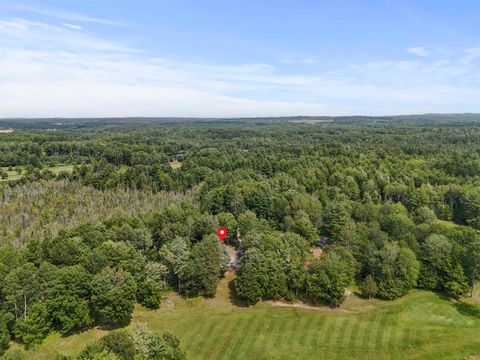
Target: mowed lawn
{"points": [[422, 325]]}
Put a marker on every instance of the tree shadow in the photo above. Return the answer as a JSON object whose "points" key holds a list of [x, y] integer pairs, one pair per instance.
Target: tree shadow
{"points": [[464, 308], [468, 309], [304, 299], [234, 299]]}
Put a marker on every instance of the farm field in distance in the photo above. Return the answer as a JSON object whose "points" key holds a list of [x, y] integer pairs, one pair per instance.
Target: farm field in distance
{"points": [[421, 325], [17, 175]]}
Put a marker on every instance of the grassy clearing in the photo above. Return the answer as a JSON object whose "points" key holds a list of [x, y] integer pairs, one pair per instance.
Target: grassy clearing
{"points": [[175, 164], [446, 223], [59, 168], [14, 175], [421, 325]]}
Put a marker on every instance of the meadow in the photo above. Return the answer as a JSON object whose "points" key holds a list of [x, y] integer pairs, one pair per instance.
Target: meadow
{"points": [[17, 175], [421, 325]]}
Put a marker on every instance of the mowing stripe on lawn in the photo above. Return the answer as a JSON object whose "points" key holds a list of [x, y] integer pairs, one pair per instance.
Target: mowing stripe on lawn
{"points": [[374, 332], [291, 328], [238, 328], [249, 339], [270, 343], [299, 330], [216, 342], [191, 332], [352, 324], [244, 326], [307, 328], [332, 334], [354, 335], [326, 325], [386, 327], [251, 342], [197, 343], [278, 334]]}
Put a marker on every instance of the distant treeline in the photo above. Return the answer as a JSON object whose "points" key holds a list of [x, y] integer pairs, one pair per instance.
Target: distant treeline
{"points": [[79, 123]]}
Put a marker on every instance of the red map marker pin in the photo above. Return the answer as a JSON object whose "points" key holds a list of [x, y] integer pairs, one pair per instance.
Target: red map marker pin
{"points": [[222, 232]]}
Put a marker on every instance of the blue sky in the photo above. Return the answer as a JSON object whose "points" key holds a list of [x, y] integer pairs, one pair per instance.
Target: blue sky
{"points": [[238, 58]]}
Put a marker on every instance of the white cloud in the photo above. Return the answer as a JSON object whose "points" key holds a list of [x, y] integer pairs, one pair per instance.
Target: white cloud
{"points": [[419, 51], [55, 71], [60, 14], [470, 55], [72, 26]]}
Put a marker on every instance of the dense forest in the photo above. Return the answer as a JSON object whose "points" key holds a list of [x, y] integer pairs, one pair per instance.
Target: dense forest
{"points": [[393, 206]]}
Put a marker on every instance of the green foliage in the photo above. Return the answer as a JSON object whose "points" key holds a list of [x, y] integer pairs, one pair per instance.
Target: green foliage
{"points": [[152, 286], [441, 269], [369, 287], [329, 277], [120, 343], [4, 335], [113, 296], [96, 351], [14, 355], [271, 266], [207, 262], [34, 327], [68, 312], [396, 271], [151, 345], [123, 225], [336, 216]]}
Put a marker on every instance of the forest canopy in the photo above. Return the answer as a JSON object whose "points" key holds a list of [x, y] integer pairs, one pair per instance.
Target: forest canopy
{"points": [[393, 207]]}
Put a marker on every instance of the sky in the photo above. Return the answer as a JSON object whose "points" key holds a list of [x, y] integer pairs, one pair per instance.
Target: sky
{"points": [[231, 58]]}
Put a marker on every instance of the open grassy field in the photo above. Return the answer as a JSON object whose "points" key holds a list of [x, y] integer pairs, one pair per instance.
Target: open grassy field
{"points": [[175, 164], [59, 168], [13, 175], [421, 325]]}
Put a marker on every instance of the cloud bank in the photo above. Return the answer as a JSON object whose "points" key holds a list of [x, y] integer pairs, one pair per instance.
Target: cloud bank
{"points": [[64, 70]]}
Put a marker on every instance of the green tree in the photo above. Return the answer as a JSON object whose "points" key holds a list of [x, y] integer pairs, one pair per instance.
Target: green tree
{"points": [[120, 343], [113, 296], [175, 255], [4, 333], [207, 263], [329, 276], [442, 270], [369, 287], [68, 312], [33, 328], [336, 216], [396, 270], [252, 276]]}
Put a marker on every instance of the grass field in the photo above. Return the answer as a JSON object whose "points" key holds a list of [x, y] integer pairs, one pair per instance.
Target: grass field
{"points": [[175, 164], [421, 325], [447, 223], [13, 175]]}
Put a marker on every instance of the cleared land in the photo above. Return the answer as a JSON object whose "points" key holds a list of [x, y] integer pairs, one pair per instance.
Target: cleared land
{"points": [[175, 164], [14, 175], [421, 325]]}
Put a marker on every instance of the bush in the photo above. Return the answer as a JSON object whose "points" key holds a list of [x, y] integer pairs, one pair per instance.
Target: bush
{"points": [[120, 343], [369, 287]]}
